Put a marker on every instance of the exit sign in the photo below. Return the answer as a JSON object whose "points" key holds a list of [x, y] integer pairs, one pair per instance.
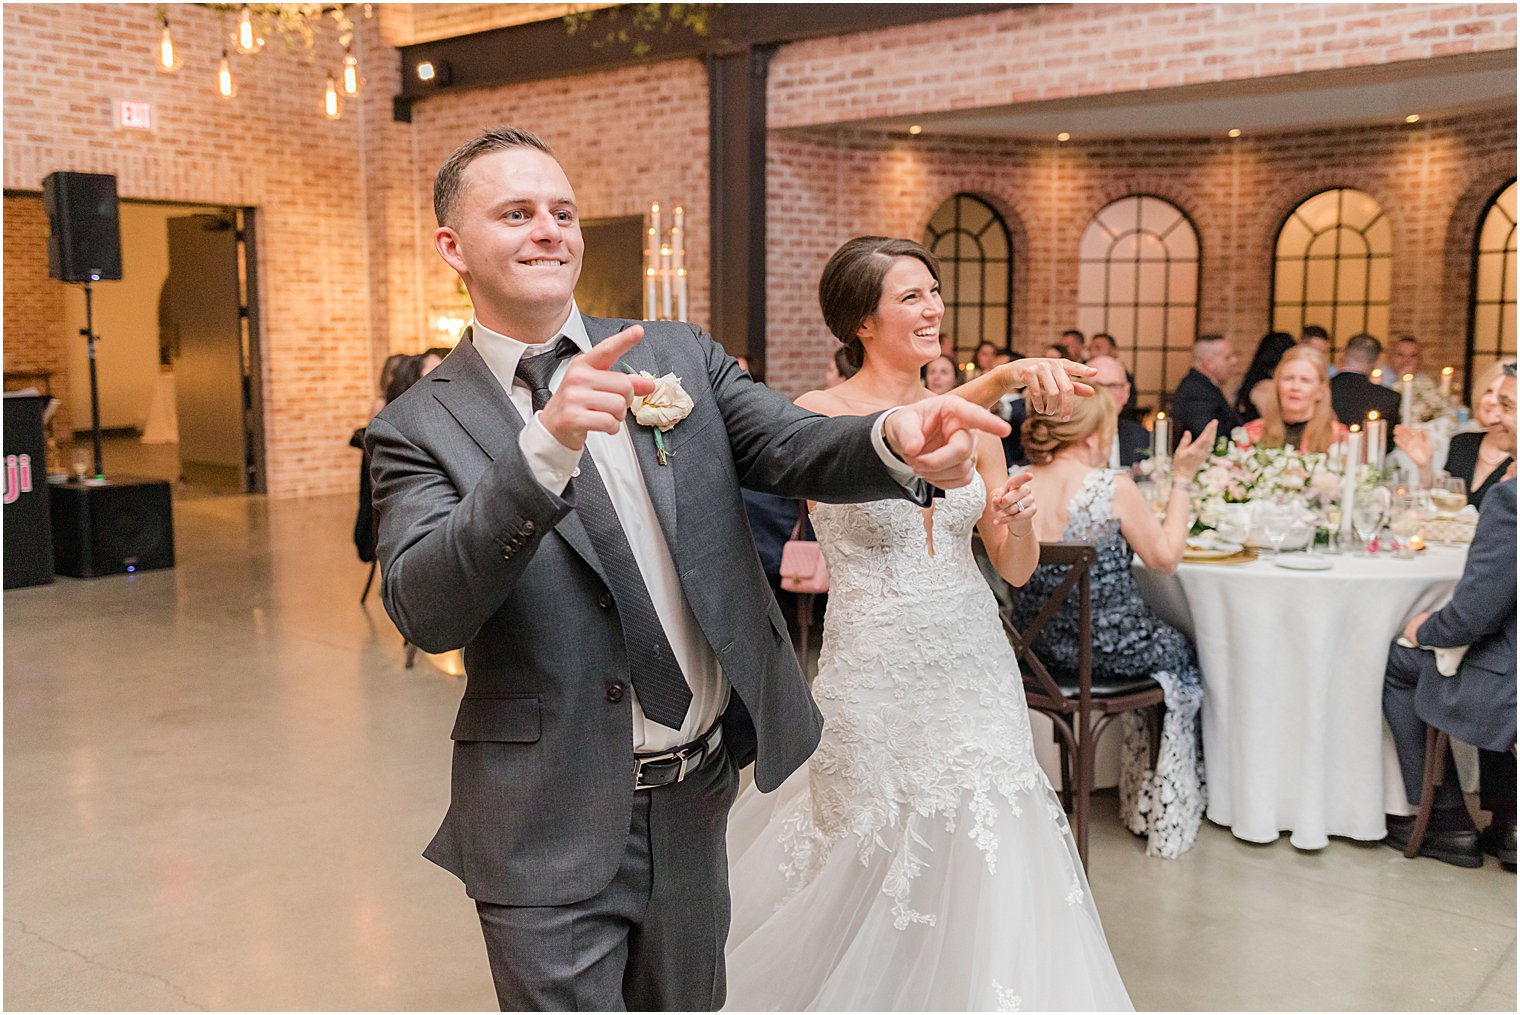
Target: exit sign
{"points": [[134, 115]]}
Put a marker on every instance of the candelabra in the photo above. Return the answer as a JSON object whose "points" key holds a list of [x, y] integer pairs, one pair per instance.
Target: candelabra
{"points": [[665, 266]]}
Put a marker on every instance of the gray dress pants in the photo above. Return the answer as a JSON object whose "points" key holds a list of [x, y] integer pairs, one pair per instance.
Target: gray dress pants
{"points": [[653, 939]]}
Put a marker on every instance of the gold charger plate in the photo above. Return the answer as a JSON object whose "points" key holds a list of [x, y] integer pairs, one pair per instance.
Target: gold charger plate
{"points": [[1244, 556]]}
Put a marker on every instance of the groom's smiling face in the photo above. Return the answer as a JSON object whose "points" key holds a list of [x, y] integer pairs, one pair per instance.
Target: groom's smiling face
{"points": [[516, 238]]}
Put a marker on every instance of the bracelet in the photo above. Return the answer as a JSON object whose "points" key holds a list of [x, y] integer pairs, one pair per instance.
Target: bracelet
{"points": [[1183, 484]]}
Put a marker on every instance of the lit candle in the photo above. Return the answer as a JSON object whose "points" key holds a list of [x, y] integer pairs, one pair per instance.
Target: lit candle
{"points": [[1446, 373], [1406, 407], [1377, 439], [1353, 460], [1161, 438], [1377, 375], [650, 306], [678, 255], [665, 276]]}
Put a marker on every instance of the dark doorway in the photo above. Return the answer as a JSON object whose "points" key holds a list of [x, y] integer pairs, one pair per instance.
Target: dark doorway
{"points": [[612, 268]]}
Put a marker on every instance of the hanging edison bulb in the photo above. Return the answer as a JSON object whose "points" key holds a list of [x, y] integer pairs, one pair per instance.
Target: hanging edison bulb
{"points": [[245, 38], [332, 106], [225, 86], [352, 82], [168, 59]]}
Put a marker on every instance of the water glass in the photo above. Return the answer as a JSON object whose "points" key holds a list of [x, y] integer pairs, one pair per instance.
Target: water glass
{"points": [[1367, 515], [1276, 518]]}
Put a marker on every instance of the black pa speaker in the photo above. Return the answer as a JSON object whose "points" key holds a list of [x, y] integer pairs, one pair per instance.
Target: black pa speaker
{"points": [[119, 527], [84, 228]]}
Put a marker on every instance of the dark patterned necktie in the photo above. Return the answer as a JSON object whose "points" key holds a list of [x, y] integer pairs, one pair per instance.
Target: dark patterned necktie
{"points": [[656, 676]]}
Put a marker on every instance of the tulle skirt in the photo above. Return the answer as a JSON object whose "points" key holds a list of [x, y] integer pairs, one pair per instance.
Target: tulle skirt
{"points": [[923, 918]]}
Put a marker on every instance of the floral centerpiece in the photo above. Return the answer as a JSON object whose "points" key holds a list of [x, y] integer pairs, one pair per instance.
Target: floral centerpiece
{"points": [[1239, 474]]}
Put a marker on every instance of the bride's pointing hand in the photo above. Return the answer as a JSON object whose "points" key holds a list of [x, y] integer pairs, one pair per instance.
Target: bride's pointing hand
{"points": [[1051, 386]]}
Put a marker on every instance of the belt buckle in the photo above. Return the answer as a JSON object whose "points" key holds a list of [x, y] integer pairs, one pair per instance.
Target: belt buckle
{"points": [[638, 770]]}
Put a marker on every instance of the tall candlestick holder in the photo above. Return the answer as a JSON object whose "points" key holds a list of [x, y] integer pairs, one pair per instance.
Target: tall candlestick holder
{"points": [[665, 272]]}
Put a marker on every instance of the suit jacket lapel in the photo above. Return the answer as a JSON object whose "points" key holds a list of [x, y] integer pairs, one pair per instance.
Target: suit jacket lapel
{"points": [[659, 479], [465, 386]]}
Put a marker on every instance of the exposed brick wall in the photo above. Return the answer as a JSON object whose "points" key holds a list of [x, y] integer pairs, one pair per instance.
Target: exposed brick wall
{"points": [[625, 137], [1046, 51], [1431, 179], [34, 303], [270, 147]]}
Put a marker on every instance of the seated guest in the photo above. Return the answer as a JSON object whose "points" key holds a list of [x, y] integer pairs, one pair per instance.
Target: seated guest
{"points": [[1405, 357], [1256, 386], [1316, 336], [1131, 438], [1352, 395], [941, 375], [1200, 398], [1073, 344], [985, 357], [1079, 500], [840, 369], [1102, 344], [1476, 705], [1054, 351], [1298, 411], [1480, 459]]}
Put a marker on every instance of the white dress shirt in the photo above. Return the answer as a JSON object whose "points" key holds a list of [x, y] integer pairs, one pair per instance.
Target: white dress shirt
{"points": [[553, 465]]}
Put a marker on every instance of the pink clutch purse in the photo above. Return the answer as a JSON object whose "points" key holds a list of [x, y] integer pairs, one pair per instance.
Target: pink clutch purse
{"points": [[802, 566]]}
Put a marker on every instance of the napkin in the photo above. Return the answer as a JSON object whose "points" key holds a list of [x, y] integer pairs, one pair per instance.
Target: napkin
{"points": [[1447, 659]]}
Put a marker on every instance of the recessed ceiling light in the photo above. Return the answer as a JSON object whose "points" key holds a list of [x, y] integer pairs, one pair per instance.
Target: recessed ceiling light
{"points": [[1063, 136], [1234, 131], [1412, 118], [915, 130]]}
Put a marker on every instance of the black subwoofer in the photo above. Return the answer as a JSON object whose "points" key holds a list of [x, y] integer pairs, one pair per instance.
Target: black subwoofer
{"points": [[84, 227], [121, 526]]}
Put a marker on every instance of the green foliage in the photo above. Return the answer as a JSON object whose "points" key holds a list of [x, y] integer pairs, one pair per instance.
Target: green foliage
{"points": [[635, 25]]}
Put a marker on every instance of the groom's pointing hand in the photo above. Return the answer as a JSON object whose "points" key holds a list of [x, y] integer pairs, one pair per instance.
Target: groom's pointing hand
{"points": [[936, 438], [593, 394]]}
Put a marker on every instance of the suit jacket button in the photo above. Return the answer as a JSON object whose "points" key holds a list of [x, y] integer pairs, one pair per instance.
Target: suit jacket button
{"points": [[507, 551], [528, 527], [605, 600], [614, 693]]}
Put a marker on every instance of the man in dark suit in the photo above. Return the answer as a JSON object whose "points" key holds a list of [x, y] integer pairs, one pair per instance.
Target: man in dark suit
{"points": [[1353, 395], [1200, 395], [1475, 705], [624, 654], [1131, 438]]}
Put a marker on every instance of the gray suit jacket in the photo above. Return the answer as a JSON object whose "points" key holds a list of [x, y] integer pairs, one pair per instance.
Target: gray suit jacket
{"points": [[1477, 706], [475, 553]]}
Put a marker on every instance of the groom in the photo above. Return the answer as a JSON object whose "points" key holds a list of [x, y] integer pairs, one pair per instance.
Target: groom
{"points": [[625, 655]]}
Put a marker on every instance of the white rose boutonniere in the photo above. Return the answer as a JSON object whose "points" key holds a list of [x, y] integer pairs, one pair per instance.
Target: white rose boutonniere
{"points": [[662, 409]]}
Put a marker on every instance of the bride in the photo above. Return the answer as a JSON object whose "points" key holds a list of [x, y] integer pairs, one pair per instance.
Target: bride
{"points": [[921, 860]]}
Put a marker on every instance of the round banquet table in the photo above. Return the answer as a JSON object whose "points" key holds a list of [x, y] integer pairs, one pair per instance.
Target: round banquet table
{"points": [[1293, 732]]}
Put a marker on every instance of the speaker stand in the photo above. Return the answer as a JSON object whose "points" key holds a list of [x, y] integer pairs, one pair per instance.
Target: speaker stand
{"points": [[88, 331]]}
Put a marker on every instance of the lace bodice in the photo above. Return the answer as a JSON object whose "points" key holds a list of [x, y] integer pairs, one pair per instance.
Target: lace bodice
{"points": [[923, 705]]}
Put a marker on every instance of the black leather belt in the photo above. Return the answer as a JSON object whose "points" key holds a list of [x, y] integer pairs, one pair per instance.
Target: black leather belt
{"points": [[669, 767]]}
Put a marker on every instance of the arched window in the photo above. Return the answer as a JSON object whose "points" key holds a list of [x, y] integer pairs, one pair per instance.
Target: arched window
{"points": [[1491, 328], [1333, 267], [1138, 281], [976, 272]]}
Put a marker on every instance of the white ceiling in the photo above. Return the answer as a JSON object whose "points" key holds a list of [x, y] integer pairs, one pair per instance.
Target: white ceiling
{"points": [[1361, 95]]}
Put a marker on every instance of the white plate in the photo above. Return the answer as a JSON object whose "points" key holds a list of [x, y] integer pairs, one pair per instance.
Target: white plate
{"points": [[1304, 562], [1206, 547]]}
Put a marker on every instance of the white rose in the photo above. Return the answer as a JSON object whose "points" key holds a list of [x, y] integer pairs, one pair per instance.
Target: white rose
{"points": [[666, 405]]}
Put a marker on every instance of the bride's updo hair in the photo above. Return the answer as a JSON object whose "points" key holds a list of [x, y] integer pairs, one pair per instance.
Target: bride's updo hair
{"points": [[850, 289], [1044, 436]]}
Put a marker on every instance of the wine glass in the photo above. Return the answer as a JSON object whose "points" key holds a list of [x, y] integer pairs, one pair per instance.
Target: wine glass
{"points": [[1450, 495], [1333, 523], [1367, 515], [1404, 522], [1276, 517]]}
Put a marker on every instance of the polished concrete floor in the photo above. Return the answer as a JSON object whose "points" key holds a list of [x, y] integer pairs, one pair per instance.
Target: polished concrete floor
{"points": [[218, 779]]}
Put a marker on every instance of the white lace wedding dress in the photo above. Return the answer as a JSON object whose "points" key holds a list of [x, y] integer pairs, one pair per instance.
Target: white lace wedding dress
{"points": [[920, 860]]}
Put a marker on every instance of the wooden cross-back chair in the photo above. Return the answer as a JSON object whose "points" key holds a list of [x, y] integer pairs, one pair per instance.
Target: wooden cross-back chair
{"points": [[1080, 705]]}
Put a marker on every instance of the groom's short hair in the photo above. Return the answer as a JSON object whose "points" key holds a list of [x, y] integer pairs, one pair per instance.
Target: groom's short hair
{"points": [[450, 180]]}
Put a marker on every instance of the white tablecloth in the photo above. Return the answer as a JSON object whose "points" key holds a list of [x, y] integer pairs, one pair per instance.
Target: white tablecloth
{"points": [[1293, 732]]}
